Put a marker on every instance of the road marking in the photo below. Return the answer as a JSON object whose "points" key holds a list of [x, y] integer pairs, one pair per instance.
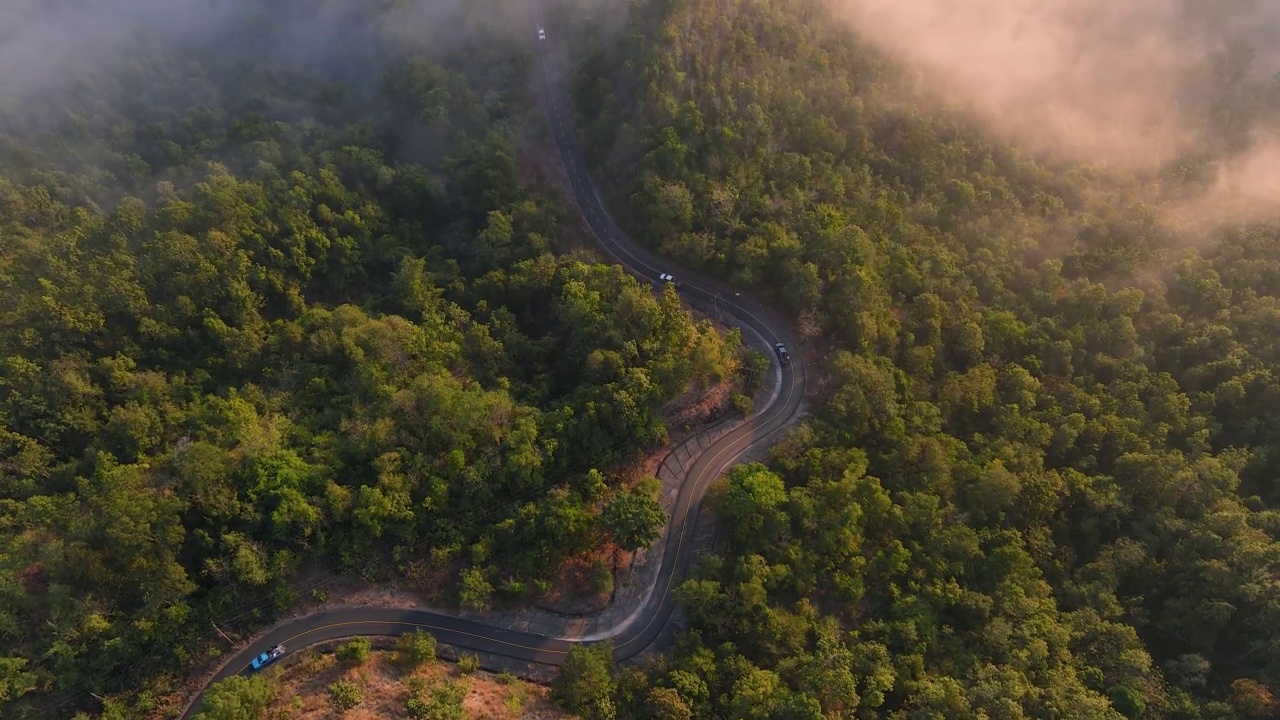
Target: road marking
{"points": [[713, 476], [435, 628], [609, 236]]}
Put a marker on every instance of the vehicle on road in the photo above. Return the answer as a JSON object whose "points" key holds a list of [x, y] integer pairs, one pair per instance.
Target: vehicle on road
{"points": [[630, 638], [542, 34], [267, 657], [784, 357], [669, 279]]}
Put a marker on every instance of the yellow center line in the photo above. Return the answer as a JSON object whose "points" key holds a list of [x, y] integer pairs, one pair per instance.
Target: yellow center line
{"points": [[435, 629], [685, 521], [590, 211]]}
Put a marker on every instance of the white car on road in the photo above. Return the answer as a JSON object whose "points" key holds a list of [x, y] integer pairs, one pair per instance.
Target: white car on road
{"points": [[542, 34], [784, 357]]}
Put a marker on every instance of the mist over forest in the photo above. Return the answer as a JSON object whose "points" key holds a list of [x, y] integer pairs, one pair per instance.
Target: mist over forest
{"points": [[1156, 86], [294, 290], [74, 57], [1147, 86]]}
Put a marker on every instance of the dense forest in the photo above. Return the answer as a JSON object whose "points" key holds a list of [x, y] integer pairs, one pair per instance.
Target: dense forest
{"points": [[289, 289], [261, 314], [1040, 481]]}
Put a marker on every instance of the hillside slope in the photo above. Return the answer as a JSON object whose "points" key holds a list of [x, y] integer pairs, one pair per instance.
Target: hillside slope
{"points": [[1041, 480], [273, 308]]}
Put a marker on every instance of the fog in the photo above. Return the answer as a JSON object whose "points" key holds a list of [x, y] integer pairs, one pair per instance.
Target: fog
{"points": [[111, 66], [1124, 84], [1241, 188], [47, 46], [43, 43]]}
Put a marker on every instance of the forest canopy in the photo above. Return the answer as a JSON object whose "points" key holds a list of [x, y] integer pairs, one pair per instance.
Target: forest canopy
{"points": [[286, 290], [1040, 479], [261, 316]]}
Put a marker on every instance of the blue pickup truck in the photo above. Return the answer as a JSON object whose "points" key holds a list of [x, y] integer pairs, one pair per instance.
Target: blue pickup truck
{"points": [[267, 657]]}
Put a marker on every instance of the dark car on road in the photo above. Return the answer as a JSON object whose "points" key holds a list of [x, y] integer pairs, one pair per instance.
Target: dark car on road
{"points": [[784, 357], [267, 657]]}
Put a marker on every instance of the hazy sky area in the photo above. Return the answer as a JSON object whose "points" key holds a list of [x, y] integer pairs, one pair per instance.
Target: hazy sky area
{"points": [[1095, 81], [155, 59], [44, 44], [1099, 81]]}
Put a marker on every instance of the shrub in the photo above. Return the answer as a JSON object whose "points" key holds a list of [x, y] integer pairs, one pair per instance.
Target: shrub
{"points": [[476, 593], [355, 652], [515, 589], [416, 708], [601, 578], [238, 695], [416, 648], [444, 703], [515, 697], [468, 664], [344, 695]]}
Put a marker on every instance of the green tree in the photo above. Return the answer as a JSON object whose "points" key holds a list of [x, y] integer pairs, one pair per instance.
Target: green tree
{"points": [[238, 697], [666, 704], [586, 682], [476, 592], [754, 505], [15, 681], [416, 648], [634, 517], [1252, 699]]}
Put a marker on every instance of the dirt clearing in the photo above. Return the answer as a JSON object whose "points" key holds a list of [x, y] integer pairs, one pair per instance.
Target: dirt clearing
{"points": [[385, 689]]}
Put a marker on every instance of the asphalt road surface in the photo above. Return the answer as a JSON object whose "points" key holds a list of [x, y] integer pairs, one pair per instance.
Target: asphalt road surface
{"points": [[754, 319]]}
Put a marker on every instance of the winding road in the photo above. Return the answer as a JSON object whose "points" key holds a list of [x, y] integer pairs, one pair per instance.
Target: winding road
{"points": [[638, 631]]}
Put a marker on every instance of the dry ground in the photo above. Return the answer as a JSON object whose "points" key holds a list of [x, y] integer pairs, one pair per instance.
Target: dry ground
{"points": [[385, 686]]}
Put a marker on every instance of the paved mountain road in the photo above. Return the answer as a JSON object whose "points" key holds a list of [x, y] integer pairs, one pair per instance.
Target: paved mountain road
{"points": [[640, 630]]}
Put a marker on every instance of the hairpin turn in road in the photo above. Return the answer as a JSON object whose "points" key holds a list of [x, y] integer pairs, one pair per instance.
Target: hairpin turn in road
{"points": [[640, 630]]}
